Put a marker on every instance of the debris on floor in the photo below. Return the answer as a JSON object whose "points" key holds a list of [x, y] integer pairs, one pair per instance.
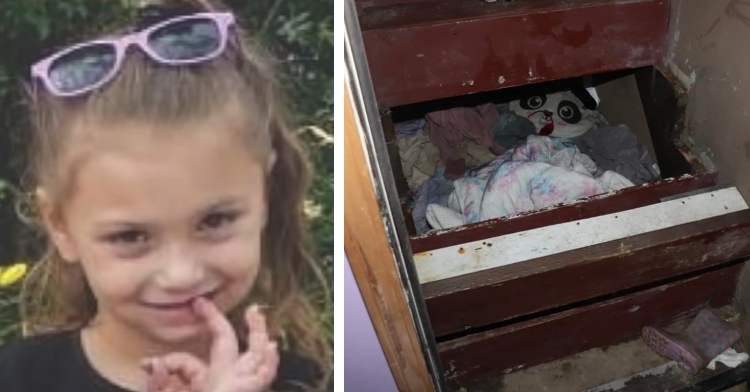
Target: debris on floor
{"points": [[627, 367]]}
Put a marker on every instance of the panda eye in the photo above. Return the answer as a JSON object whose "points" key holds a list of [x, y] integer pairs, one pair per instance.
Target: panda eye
{"points": [[566, 112], [534, 102], [569, 112]]}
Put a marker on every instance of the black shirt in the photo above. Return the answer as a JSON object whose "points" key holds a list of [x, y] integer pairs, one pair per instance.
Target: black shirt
{"points": [[57, 363]]}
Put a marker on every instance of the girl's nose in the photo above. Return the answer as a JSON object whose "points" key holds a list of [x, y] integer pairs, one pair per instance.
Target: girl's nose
{"points": [[181, 269]]}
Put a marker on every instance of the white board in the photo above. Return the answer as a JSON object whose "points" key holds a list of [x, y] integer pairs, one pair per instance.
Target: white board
{"points": [[513, 248]]}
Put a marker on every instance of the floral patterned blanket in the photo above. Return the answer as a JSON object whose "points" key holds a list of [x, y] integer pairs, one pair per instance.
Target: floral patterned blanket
{"points": [[540, 173]]}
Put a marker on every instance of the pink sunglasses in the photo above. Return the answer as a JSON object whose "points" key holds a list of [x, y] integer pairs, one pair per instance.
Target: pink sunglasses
{"points": [[87, 66]]}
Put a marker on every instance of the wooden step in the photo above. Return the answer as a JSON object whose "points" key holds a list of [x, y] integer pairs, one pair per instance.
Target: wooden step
{"points": [[425, 50], [529, 343]]}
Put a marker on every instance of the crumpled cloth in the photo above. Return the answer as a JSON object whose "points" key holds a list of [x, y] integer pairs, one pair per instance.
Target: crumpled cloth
{"points": [[449, 127], [730, 357], [409, 128], [474, 154], [618, 149], [420, 158], [435, 190], [512, 130]]}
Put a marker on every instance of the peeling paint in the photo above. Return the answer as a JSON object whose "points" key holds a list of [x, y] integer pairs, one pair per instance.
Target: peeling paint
{"points": [[625, 248], [513, 369], [687, 81], [501, 80], [694, 152]]}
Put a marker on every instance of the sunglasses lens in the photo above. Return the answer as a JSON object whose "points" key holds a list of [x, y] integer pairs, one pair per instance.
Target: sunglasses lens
{"points": [[83, 67], [186, 40]]}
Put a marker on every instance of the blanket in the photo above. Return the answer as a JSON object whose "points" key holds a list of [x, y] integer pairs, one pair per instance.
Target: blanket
{"points": [[540, 173]]}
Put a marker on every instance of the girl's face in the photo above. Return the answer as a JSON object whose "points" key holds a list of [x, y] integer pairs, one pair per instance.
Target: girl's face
{"points": [[157, 221]]}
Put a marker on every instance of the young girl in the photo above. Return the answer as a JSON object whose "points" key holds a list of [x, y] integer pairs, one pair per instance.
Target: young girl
{"points": [[171, 191]]}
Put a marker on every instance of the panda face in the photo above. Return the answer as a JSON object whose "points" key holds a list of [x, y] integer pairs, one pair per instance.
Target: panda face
{"points": [[559, 115]]}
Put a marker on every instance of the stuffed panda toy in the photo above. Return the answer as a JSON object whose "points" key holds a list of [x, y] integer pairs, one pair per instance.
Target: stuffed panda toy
{"points": [[563, 114]]}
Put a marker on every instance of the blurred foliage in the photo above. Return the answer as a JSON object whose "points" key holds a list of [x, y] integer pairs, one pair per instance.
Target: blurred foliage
{"points": [[10, 284], [299, 35]]}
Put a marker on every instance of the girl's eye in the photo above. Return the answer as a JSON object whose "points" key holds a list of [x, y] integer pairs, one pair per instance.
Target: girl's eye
{"points": [[129, 237], [129, 244], [217, 220]]}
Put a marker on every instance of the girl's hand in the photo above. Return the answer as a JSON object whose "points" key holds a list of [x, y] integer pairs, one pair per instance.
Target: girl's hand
{"points": [[228, 370]]}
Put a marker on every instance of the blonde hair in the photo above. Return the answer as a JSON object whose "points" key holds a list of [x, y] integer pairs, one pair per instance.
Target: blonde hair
{"points": [[56, 295]]}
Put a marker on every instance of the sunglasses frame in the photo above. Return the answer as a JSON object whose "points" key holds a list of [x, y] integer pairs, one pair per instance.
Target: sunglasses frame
{"points": [[223, 20]]}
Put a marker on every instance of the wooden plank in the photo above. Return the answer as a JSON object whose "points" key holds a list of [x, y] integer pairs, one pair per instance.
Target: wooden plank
{"points": [[602, 324], [374, 267], [461, 303], [428, 50], [545, 241], [361, 4], [590, 207]]}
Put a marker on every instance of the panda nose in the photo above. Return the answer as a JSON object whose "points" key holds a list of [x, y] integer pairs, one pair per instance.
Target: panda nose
{"points": [[546, 113]]}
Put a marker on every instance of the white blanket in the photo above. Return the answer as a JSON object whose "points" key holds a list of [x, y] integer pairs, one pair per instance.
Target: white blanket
{"points": [[541, 173]]}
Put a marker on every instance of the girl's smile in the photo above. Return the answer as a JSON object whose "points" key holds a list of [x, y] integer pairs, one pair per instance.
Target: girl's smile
{"points": [[179, 303], [177, 312]]}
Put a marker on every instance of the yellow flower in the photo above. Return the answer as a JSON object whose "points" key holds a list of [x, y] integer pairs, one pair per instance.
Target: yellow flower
{"points": [[13, 274]]}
